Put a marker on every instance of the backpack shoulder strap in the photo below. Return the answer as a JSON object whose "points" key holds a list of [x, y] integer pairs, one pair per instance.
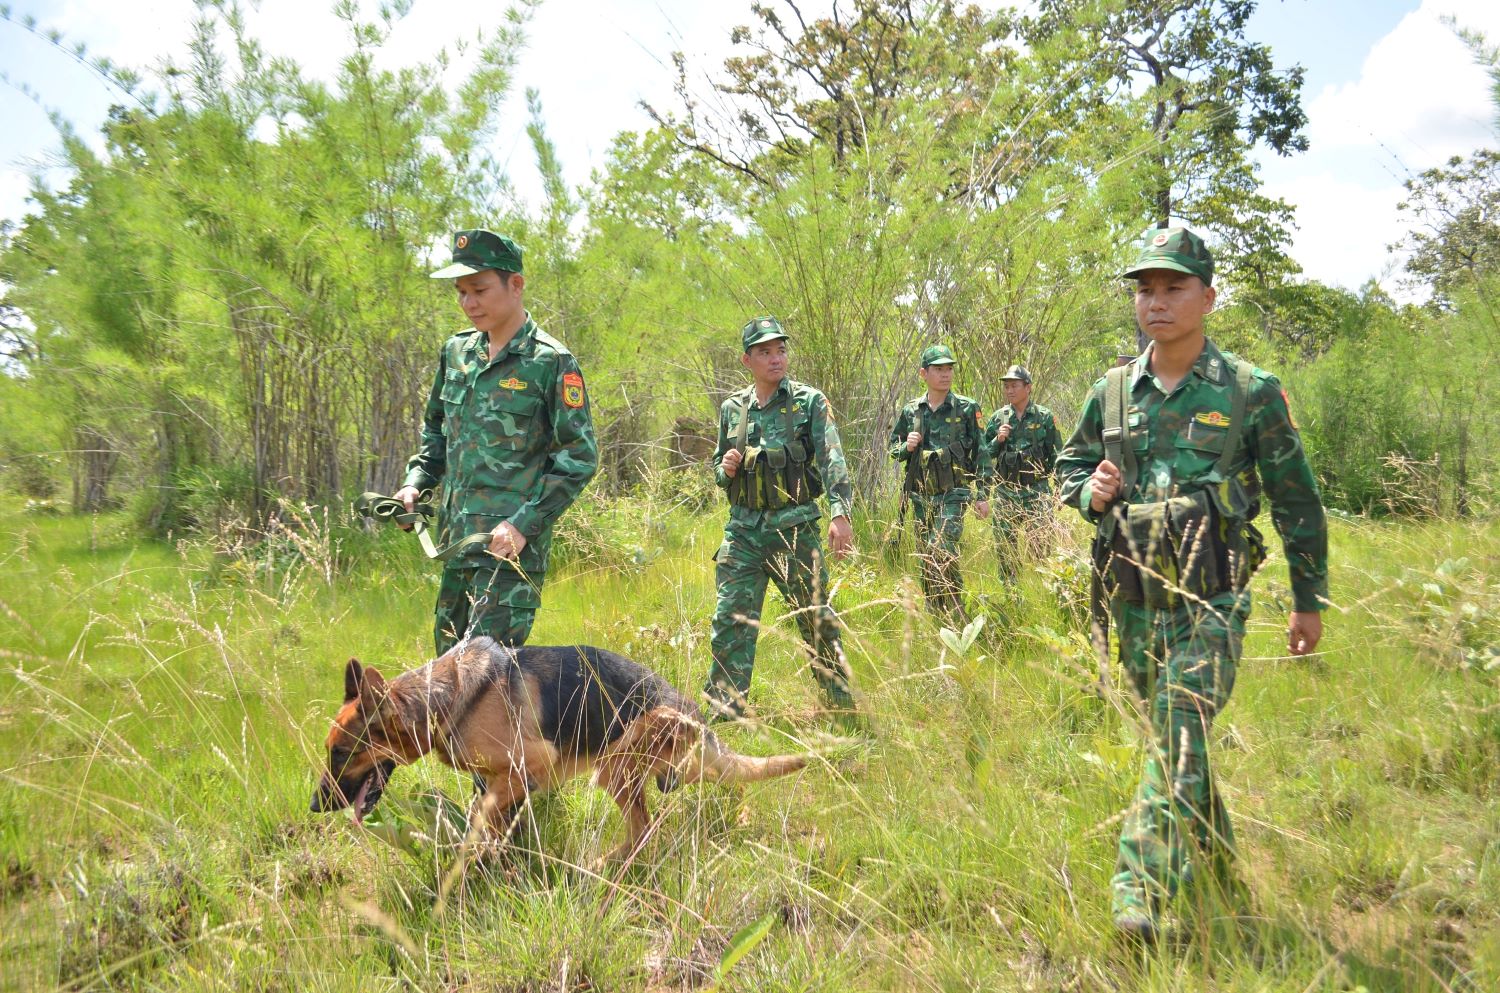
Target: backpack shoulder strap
{"points": [[1239, 403], [742, 432], [1116, 433]]}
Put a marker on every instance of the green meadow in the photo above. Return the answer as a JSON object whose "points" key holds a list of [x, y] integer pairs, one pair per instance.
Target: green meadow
{"points": [[163, 708]]}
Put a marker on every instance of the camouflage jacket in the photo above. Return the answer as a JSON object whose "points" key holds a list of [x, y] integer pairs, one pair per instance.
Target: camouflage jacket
{"points": [[954, 425], [1031, 448], [812, 421], [511, 440], [1177, 438]]}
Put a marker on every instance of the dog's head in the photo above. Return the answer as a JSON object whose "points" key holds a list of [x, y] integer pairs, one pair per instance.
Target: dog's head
{"points": [[361, 751]]}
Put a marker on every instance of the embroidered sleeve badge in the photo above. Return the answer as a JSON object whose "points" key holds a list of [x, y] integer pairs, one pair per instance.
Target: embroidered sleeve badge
{"points": [[572, 391], [1290, 419]]}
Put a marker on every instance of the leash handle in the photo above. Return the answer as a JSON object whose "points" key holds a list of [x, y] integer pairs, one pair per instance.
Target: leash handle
{"points": [[422, 517]]}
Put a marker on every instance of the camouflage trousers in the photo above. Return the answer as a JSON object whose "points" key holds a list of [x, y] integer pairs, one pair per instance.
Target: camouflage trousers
{"points": [[1020, 516], [481, 600], [1181, 663], [940, 531], [793, 560]]}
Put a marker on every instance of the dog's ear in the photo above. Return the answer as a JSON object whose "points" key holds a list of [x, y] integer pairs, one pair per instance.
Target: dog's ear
{"points": [[372, 690], [353, 677]]}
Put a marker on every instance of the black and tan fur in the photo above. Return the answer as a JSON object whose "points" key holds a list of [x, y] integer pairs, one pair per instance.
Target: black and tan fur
{"points": [[527, 719]]}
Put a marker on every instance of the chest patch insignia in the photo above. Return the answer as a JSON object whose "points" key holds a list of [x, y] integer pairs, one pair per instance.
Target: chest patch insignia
{"points": [[513, 384], [572, 389], [1212, 418]]}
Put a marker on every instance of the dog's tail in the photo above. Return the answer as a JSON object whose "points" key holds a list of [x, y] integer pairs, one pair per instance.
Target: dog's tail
{"points": [[719, 764], [679, 748]]}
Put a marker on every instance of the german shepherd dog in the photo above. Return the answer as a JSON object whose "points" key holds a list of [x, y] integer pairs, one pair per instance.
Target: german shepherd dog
{"points": [[526, 719]]}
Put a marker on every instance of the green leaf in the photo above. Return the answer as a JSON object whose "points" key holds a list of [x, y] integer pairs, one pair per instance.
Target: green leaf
{"points": [[971, 632], [743, 943]]}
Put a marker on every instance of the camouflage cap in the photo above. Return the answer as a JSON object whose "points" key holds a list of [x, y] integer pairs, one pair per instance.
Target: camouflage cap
{"points": [[937, 355], [476, 250], [1018, 372], [1174, 248], [759, 329]]}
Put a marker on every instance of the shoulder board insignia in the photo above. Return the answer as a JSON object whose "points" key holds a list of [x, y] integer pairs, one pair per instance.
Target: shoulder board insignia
{"points": [[513, 384], [1213, 419], [572, 389], [1213, 371]]}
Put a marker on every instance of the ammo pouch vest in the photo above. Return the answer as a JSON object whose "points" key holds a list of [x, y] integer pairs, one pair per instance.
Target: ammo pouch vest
{"points": [[772, 478], [1015, 468], [1188, 548], [934, 471], [1178, 549], [940, 470]]}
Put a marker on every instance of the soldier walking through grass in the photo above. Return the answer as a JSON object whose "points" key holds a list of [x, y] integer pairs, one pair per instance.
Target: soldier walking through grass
{"points": [[937, 439], [778, 451], [1021, 440], [1170, 460], [509, 433]]}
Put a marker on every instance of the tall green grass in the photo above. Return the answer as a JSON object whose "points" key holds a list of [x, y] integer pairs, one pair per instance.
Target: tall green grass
{"points": [[163, 708]]}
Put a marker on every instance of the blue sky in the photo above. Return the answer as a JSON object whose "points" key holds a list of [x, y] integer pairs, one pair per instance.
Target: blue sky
{"points": [[1388, 89]]}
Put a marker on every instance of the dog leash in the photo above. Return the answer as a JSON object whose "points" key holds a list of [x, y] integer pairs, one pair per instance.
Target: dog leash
{"points": [[422, 518]]}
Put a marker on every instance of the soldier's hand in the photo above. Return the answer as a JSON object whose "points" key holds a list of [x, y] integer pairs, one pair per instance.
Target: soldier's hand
{"points": [[1104, 486], [982, 509], [913, 440], [506, 542], [731, 462], [1003, 434], [841, 537], [1303, 631], [408, 495]]}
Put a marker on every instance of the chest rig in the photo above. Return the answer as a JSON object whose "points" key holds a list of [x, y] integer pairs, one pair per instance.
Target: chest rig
{"points": [[1193, 545], [934, 471], [770, 478]]}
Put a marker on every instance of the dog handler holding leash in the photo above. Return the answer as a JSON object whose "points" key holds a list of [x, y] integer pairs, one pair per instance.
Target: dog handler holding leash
{"points": [[508, 432]]}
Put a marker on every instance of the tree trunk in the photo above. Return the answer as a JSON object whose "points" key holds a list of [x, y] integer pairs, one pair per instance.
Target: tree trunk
{"points": [[98, 458]]}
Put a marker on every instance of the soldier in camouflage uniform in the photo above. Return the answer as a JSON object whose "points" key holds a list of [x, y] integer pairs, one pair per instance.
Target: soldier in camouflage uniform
{"points": [[778, 450], [937, 438], [509, 434], [1023, 442], [1196, 436]]}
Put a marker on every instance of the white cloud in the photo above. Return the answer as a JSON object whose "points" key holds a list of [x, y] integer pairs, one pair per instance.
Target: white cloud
{"points": [[1419, 99], [1419, 92], [1344, 229], [14, 185]]}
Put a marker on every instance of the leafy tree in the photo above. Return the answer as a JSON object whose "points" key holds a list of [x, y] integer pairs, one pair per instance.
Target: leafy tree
{"points": [[253, 240], [1205, 95], [1455, 210]]}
